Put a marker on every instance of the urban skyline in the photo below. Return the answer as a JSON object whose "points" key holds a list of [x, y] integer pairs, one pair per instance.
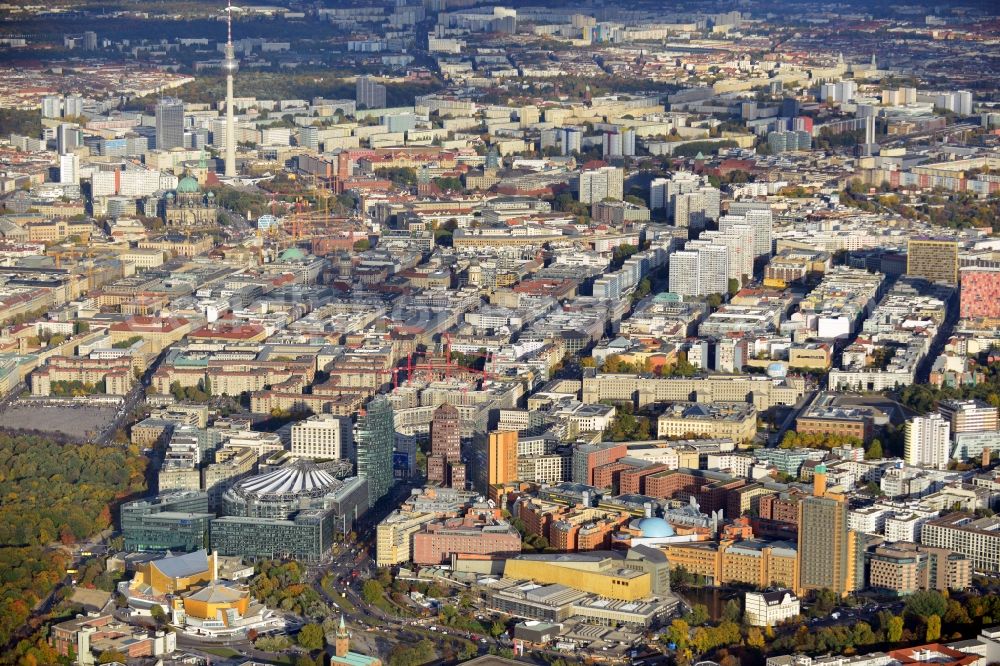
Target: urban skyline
{"points": [[496, 333]]}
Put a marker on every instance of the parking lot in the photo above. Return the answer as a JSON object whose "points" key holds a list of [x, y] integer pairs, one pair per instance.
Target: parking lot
{"points": [[77, 422]]}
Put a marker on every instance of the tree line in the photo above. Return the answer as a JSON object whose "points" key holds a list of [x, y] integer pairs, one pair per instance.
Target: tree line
{"points": [[52, 494]]}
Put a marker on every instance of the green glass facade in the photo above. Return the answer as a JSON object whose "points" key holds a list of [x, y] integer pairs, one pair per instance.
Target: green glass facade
{"points": [[308, 537], [174, 521], [375, 438]]}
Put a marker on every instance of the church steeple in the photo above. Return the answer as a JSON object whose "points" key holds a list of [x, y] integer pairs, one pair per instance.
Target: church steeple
{"points": [[343, 643]]}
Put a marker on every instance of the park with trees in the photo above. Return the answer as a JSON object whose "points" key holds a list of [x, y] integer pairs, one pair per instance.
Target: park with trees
{"points": [[54, 495]]}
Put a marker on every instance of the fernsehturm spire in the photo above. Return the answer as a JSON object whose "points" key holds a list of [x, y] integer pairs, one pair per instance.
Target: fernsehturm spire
{"points": [[230, 66]]}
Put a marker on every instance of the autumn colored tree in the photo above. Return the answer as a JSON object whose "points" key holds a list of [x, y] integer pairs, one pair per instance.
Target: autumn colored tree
{"points": [[874, 451], [311, 637], [52, 491], [678, 633], [933, 628], [894, 633], [109, 656]]}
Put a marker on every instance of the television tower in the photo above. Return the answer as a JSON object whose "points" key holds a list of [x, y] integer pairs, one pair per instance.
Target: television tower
{"points": [[230, 66]]}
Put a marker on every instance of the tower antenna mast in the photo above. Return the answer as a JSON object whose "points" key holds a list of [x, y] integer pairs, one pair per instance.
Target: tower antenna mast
{"points": [[230, 66]]}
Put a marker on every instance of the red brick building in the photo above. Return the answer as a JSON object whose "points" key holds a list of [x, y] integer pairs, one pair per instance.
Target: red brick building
{"points": [[588, 458], [633, 481], [709, 489], [479, 532], [609, 476]]}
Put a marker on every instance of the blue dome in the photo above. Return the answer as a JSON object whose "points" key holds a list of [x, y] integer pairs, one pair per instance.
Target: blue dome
{"points": [[654, 528]]}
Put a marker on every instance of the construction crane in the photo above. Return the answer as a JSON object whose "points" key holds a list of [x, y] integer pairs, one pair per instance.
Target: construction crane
{"points": [[485, 355], [435, 368]]}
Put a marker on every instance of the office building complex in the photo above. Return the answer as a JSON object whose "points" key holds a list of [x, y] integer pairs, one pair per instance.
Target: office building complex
{"points": [[928, 440], [830, 554], [308, 536], [177, 521], [394, 537], [503, 457], [905, 568], [444, 464], [323, 437], [169, 123], [496, 460], [479, 532], [751, 561], [288, 489], [976, 538], [294, 511], [375, 440], [969, 416], [588, 457], [934, 260]]}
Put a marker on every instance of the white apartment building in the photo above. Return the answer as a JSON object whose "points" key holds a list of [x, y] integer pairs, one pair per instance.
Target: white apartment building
{"points": [[683, 273], [551, 468], [69, 168], [758, 216], [976, 538], [103, 183], [323, 436], [870, 520], [599, 184], [139, 182], [738, 240], [713, 266], [928, 441], [739, 464], [905, 527]]}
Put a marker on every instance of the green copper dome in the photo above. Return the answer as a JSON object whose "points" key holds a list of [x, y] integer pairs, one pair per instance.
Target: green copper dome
{"points": [[188, 185], [292, 254]]}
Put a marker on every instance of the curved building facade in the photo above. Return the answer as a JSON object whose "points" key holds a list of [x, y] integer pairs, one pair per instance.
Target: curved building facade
{"points": [[281, 493], [294, 511]]}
